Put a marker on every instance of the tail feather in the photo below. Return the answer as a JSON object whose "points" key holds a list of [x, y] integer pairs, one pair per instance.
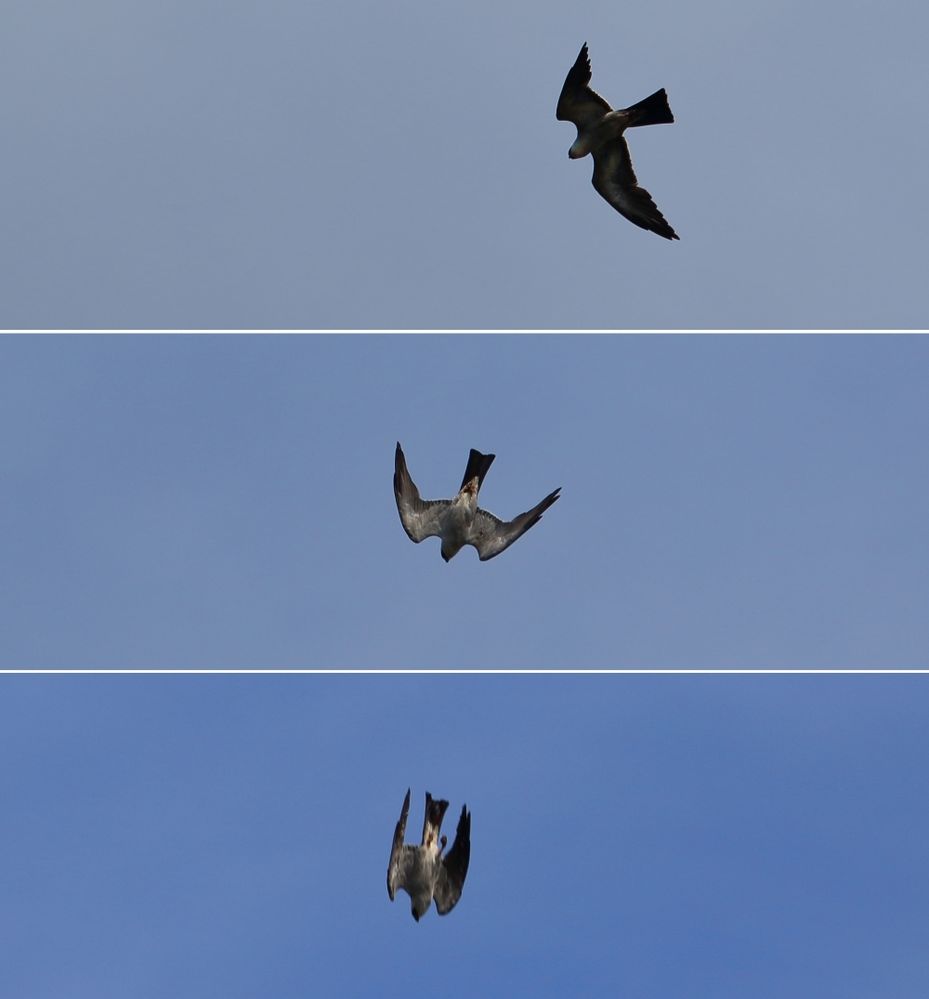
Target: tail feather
{"points": [[654, 110], [477, 466], [435, 812]]}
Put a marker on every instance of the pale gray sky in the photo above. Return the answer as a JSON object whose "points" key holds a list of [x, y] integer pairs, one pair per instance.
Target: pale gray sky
{"points": [[292, 164]]}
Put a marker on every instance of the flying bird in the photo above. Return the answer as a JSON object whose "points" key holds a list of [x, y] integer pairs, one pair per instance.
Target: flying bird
{"points": [[459, 521], [421, 871], [600, 132]]}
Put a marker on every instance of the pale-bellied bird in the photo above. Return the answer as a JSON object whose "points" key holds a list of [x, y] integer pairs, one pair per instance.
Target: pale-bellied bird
{"points": [[459, 521], [421, 871]]}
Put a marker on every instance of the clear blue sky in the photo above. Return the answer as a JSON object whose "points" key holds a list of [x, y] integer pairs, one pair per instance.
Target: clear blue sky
{"points": [[640, 836], [214, 163]]}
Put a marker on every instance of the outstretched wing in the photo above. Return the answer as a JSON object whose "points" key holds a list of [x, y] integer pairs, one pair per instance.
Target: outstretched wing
{"points": [[490, 535], [615, 180], [420, 518], [453, 868], [577, 102], [396, 866]]}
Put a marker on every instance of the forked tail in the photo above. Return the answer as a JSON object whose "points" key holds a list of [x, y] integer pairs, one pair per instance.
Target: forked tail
{"points": [[477, 466], [654, 110], [435, 812]]}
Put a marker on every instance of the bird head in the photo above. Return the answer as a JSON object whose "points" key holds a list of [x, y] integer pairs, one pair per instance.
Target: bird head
{"points": [[578, 149]]}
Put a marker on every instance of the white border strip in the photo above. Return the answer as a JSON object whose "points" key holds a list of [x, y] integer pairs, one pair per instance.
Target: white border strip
{"points": [[278, 671]]}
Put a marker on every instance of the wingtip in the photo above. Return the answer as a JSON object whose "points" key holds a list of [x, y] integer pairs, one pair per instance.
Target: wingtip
{"points": [[549, 501]]}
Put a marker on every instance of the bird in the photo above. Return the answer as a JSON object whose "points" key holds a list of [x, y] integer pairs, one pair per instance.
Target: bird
{"points": [[421, 871], [459, 521], [600, 132]]}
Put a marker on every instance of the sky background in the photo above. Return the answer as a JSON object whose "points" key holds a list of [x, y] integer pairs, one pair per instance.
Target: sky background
{"points": [[223, 502], [217, 164], [640, 836], [220, 502], [227, 501]]}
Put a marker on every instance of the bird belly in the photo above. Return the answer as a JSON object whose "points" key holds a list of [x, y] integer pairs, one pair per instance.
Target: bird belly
{"points": [[457, 525], [610, 127], [420, 879]]}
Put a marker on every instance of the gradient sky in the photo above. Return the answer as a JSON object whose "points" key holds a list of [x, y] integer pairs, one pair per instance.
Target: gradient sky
{"points": [[222, 502], [637, 836], [197, 163], [207, 502]]}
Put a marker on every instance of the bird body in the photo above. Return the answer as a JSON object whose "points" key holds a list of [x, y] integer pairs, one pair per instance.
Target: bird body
{"points": [[457, 520], [421, 871]]}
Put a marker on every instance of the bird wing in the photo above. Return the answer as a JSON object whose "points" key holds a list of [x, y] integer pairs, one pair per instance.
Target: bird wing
{"points": [[453, 868], [420, 518], [490, 535], [396, 868], [615, 180], [577, 102]]}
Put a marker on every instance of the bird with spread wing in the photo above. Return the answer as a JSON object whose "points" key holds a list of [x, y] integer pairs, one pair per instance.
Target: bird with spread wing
{"points": [[600, 133], [460, 521]]}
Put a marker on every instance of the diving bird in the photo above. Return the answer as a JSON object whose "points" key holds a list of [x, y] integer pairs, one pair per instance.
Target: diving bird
{"points": [[421, 871], [600, 132], [460, 521]]}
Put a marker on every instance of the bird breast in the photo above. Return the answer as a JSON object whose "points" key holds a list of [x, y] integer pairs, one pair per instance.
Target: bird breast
{"points": [[461, 510]]}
